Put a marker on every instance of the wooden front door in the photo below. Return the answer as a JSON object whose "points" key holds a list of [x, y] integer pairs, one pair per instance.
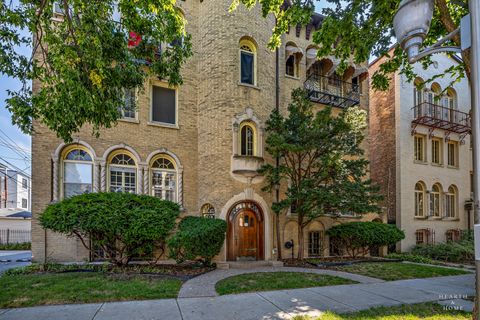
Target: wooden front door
{"points": [[247, 244], [245, 233]]}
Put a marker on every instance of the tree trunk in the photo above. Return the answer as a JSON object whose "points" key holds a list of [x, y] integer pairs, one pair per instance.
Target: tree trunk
{"points": [[279, 241], [300, 241]]}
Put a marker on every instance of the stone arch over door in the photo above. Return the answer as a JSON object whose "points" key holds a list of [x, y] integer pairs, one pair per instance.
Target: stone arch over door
{"points": [[249, 195]]}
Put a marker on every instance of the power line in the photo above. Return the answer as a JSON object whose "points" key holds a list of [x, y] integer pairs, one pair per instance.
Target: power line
{"points": [[16, 168], [17, 149]]}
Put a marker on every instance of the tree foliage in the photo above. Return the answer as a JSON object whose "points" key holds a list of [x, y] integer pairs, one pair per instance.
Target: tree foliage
{"points": [[359, 237], [358, 30], [83, 60], [320, 161], [197, 237], [121, 224]]}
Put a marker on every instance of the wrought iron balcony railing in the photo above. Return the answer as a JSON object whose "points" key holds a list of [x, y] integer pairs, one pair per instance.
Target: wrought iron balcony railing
{"points": [[439, 117], [332, 91]]}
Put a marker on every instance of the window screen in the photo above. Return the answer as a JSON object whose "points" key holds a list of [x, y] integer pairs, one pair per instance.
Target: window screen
{"points": [[163, 105], [247, 67]]}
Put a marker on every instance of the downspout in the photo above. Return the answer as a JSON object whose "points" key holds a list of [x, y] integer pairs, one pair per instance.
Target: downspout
{"points": [[277, 159]]}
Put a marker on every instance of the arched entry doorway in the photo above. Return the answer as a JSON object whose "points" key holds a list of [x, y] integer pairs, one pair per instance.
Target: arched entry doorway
{"points": [[245, 233]]}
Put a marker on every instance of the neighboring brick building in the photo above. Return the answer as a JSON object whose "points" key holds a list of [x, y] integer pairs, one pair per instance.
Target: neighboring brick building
{"points": [[420, 153], [201, 143]]}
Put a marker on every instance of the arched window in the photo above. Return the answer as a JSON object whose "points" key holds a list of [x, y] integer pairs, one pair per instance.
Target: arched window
{"points": [[208, 211], [435, 200], [449, 102], [247, 139], [77, 175], [248, 60], [163, 177], [418, 91], [419, 200], [293, 55], [122, 173], [451, 202]]}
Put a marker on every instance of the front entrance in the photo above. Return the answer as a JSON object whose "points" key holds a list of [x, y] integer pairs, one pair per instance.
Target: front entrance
{"points": [[245, 237]]}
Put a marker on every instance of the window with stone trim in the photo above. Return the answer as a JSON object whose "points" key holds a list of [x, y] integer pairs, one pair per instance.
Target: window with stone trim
{"points": [[122, 173], [452, 154], [163, 178], [248, 139], [248, 57], [128, 110], [437, 152], [77, 172], [436, 200], [419, 200], [208, 211], [419, 148], [451, 202], [164, 105]]}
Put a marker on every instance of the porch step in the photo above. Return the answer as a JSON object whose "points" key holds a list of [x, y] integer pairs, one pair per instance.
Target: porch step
{"points": [[248, 264]]}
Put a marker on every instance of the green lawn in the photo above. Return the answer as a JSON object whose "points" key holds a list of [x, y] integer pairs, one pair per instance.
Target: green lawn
{"points": [[424, 311], [397, 270], [263, 281], [47, 289]]}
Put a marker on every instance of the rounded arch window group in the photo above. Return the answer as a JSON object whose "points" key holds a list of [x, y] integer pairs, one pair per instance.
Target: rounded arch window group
{"points": [[435, 203], [77, 171]]}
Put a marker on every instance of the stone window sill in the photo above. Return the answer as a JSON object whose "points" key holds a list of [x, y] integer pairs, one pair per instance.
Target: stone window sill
{"points": [[420, 162], [253, 86], [163, 125], [129, 120], [292, 77]]}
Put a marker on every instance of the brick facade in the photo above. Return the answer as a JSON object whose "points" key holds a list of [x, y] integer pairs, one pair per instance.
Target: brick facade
{"points": [[209, 101]]}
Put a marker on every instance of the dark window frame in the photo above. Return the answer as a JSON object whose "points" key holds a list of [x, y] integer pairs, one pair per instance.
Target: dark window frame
{"points": [[152, 106]]}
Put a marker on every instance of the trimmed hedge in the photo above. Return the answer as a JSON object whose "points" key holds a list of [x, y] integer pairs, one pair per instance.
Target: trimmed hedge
{"points": [[123, 225], [16, 246], [197, 238], [359, 237]]}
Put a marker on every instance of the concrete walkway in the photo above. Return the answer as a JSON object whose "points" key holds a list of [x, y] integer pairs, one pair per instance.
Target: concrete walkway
{"points": [[204, 285], [283, 304]]}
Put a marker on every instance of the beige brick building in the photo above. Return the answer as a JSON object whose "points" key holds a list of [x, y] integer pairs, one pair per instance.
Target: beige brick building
{"points": [[200, 144], [420, 153]]}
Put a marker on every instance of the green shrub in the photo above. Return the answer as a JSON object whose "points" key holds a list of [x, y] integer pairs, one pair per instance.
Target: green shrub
{"points": [[359, 237], [410, 257], [16, 246], [197, 237], [121, 224], [460, 251]]}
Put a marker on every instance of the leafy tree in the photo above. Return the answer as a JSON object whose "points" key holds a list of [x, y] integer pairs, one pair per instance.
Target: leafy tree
{"points": [[197, 237], [359, 237], [361, 29], [320, 161], [121, 224], [86, 57]]}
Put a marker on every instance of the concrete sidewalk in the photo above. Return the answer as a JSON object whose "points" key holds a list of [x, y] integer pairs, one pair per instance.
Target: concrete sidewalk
{"points": [[283, 304]]}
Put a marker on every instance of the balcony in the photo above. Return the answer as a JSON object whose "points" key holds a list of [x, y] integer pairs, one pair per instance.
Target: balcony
{"points": [[438, 117], [332, 91], [246, 166]]}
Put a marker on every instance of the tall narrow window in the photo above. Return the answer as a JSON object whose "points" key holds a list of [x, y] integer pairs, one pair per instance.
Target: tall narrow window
{"points": [[77, 172], [247, 140], [247, 62], [419, 148], [123, 174], [452, 153], [420, 237], [437, 151], [435, 198], [128, 109], [314, 240], [419, 200], [290, 66], [164, 179], [451, 202]]}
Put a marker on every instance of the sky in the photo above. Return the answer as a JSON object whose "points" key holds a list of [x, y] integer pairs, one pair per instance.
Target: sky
{"points": [[15, 146]]}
